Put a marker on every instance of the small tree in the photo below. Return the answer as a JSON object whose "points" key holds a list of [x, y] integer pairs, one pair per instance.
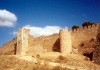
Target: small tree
{"points": [[85, 24], [92, 23], [75, 27]]}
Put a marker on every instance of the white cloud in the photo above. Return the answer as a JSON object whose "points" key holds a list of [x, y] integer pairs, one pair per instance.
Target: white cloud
{"points": [[7, 18], [39, 31], [14, 33]]}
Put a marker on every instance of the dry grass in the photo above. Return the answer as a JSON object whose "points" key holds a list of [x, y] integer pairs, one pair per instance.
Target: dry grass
{"points": [[75, 61], [11, 62], [65, 62]]}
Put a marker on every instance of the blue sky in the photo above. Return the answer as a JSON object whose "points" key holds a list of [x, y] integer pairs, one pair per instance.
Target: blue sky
{"points": [[42, 14]]}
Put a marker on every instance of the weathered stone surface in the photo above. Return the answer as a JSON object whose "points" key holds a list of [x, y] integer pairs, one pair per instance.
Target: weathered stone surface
{"points": [[62, 42], [9, 48], [96, 55], [65, 41], [22, 41]]}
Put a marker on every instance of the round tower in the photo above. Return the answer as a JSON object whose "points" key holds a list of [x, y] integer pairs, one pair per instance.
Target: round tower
{"points": [[22, 41], [65, 41]]}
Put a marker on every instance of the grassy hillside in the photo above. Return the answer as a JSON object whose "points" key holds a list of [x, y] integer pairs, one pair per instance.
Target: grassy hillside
{"points": [[46, 61]]}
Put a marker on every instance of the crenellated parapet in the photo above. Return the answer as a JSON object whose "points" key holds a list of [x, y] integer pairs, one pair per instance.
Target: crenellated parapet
{"points": [[62, 42], [47, 37], [93, 26], [82, 35]]}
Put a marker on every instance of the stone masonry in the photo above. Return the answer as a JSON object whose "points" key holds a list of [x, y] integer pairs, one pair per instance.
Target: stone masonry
{"points": [[22, 41], [23, 37], [65, 41]]}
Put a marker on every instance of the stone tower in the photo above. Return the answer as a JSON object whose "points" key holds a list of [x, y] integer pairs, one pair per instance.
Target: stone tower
{"points": [[22, 41], [65, 41]]}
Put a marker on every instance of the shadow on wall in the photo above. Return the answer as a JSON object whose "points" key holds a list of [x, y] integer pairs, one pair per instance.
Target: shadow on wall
{"points": [[96, 54], [89, 55], [56, 46], [15, 48]]}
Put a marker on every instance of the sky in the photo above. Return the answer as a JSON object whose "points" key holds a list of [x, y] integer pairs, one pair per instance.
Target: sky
{"points": [[44, 17]]}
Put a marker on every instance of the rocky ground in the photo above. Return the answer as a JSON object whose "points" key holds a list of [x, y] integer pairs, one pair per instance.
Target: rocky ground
{"points": [[46, 61]]}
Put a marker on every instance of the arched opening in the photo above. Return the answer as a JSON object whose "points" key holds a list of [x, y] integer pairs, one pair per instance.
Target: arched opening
{"points": [[89, 55]]}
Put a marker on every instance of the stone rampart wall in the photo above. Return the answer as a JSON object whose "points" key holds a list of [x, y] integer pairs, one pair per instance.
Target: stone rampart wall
{"points": [[82, 35], [47, 43], [52, 43], [9, 48]]}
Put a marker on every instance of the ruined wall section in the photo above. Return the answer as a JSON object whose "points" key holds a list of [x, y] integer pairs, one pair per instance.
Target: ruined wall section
{"points": [[30, 42], [45, 43], [82, 35], [65, 41], [22, 41], [50, 43], [9, 48]]}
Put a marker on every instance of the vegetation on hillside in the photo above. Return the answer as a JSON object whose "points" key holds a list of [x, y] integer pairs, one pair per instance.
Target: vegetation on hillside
{"points": [[46, 61]]}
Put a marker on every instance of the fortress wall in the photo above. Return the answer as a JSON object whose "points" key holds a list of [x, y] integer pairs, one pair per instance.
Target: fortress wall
{"points": [[9, 48], [81, 35], [65, 39], [45, 43], [19, 41], [30, 40]]}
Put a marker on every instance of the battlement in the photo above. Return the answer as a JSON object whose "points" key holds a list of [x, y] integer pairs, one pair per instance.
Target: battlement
{"points": [[87, 27], [85, 34], [64, 30], [64, 40], [46, 37]]}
